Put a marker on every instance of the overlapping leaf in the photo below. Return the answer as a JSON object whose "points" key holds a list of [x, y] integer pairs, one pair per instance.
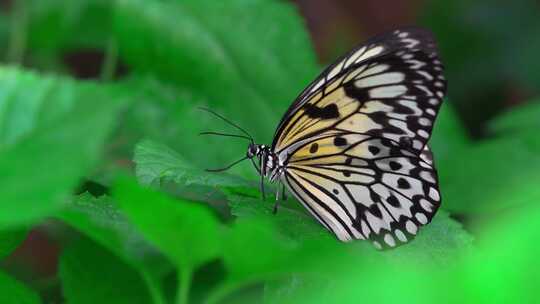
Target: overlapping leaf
{"points": [[52, 131]]}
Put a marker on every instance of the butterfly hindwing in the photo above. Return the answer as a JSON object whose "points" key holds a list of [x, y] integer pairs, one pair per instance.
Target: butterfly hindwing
{"points": [[354, 143], [364, 187]]}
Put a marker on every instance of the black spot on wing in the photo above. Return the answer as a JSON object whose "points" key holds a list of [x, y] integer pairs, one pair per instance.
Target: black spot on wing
{"points": [[328, 112], [358, 94], [340, 141], [375, 210], [395, 165], [403, 183], [392, 200], [374, 150]]}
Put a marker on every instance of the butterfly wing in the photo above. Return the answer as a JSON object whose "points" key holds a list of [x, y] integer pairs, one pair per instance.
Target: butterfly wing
{"points": [[354, 142], [393, 85]]}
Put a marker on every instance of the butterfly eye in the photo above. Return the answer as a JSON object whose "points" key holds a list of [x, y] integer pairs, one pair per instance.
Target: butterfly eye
{"points": [[252, 150]]}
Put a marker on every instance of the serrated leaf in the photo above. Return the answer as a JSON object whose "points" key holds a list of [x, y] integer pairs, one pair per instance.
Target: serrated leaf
{"points": [[91, 274], [52, 131], [209, 35], [157, 163], [170, 115], [186, 232], [14, 292], [292, 222], [440, 242], [101, 220]]}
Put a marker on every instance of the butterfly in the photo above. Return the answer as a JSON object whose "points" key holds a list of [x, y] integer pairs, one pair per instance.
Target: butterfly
{"points": [[352, 148]]}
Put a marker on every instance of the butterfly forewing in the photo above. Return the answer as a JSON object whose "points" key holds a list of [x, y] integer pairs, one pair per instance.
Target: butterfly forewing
{"points": [[354, 143], [393, 87]]}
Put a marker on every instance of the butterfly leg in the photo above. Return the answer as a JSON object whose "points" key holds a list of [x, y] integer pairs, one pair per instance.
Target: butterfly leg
{"points": [[261, 164], [262, 188], [283, 192], [279, 196]]}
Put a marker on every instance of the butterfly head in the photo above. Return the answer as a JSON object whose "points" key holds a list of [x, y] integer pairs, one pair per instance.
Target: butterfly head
{"points": [[253, 150]]}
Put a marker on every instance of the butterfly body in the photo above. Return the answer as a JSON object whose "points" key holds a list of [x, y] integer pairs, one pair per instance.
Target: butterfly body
{"points": [[352, 148]]}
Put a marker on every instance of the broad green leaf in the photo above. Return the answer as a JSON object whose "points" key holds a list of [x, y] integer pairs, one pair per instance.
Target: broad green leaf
{"points": [[14, 292], [186, 232], [4, 35], [100, 220], [58, 25], [91, 274], [504, 173], [498, 271], [170, 115], [520, 119], [268, 256], [222, 52], [442, 242], [291, 219], [10, 239], [52, 131], [271, 250], [449, 134], [504, 267], [157, 163]]}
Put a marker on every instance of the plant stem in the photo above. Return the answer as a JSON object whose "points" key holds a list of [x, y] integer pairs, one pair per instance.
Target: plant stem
{"points": [[108, 67], [183, 286], [17, 39], [153, 288], [220, 293]]}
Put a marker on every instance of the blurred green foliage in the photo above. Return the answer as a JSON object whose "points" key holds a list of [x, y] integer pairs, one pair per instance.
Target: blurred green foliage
{"points": [[162, 230]]}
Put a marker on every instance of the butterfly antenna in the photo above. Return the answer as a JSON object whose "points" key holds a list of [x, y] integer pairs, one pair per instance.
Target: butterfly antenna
{"points": [[228, 167], [227, 121], [224, 134]]}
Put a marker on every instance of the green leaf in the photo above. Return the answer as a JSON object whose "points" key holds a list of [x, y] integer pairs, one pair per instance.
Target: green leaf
{"points": [[58, 25], [276, 256], [520, 119], [448, 135], [442, 242], [52, 131], [157, 163], [100, 220], [14, 292], [291, 219], [186, 232], [223, 52], [91, 274], [4, 34], [505, 172], [169, 115], [10, 240], [501, 270]]}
